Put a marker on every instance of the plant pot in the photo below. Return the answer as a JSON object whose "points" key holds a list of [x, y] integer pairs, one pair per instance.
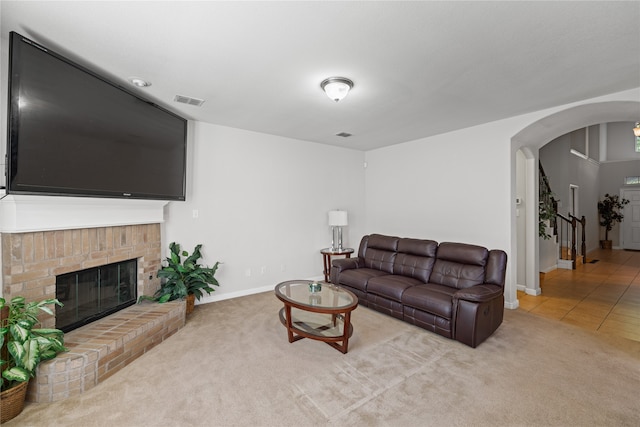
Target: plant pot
{"points": [[12, 401], [606, 244], [191, 302]]}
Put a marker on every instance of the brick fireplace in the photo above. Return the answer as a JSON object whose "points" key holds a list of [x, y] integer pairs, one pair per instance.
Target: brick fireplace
{"points": [[32, 260], [30, 263]]}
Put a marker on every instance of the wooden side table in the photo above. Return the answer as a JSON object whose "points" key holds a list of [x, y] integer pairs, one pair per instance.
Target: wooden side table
{"points": [[327, 253]]}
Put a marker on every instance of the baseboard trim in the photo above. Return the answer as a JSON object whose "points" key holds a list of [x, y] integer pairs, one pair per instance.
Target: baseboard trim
{"points": [[565, 264], [553, 267], [246, 292], [512, 305]]}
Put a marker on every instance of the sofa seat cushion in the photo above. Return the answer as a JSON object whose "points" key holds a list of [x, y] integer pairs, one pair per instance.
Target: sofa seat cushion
{"points": [[432, 298], [357, 278], [391, 287]]}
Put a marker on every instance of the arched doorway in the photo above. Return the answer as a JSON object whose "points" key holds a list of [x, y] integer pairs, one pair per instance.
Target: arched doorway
{"points": [[526, 220], [525, 146]]}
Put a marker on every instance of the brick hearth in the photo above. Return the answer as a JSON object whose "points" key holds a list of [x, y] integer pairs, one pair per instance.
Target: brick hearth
{"points": [[102, 348]]}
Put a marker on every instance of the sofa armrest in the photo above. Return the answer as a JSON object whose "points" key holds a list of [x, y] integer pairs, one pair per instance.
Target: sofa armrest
{"points": [[496, 268], [345, 263], [478, 311], [478, 293], [341, 264]]}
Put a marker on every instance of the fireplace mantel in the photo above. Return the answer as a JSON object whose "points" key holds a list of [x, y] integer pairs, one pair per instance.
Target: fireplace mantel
{"points": [[26, 213], [42, 237]]}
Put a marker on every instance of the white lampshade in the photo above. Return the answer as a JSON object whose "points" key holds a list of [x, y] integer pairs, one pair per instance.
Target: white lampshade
{"points": [[336, 88], [337, 218]]}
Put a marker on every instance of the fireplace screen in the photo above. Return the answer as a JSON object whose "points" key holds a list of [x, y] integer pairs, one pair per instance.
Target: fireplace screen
{"points": [[94, 293]]}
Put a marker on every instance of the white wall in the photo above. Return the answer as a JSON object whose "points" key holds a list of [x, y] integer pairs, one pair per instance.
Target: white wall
{"points": [[555, 159], [453, 187], [588, 179], [262, 201], [614, 173], [621, 142], [450, 187]]}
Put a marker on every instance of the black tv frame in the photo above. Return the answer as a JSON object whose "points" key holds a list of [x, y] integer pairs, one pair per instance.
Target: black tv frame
{"points": [[154, 111]]}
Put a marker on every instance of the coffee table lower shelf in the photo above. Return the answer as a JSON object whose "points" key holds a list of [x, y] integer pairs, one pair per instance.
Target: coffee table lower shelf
{"points": [[334, 329]]}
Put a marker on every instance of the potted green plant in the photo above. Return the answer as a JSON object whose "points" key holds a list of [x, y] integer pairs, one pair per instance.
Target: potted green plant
{"points": [[23, 348], [547, 210], [185, 279], [610, 214]]}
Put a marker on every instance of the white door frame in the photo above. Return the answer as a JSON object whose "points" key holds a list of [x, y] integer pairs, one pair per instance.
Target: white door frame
{"points": [[625, 193], [574, 197]]}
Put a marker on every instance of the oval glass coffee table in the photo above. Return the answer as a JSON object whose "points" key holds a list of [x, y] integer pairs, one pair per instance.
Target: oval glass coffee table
{"points": [[321, 312]]}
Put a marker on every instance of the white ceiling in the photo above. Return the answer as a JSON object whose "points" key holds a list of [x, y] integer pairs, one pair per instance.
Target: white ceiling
{"points": [[420, 68]]}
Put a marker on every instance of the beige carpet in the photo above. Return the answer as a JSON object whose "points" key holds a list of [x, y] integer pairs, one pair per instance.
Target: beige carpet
{"points": [[232, 366]]}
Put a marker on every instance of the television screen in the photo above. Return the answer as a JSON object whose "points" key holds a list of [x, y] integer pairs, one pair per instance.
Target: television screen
{"points": [[74, 133]]}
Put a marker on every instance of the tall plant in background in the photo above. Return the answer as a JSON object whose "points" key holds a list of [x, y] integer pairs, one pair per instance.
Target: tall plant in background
{"points": [[547, 204], [547, 211], [610, 212]]}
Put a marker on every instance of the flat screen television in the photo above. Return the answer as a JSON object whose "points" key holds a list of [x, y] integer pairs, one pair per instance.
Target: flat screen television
{"points": [[72, 132]]}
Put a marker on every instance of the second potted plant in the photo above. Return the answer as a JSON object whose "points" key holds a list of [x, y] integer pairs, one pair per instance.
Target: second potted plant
{"points": [[185, 279], [610, 214], [23, 348]]}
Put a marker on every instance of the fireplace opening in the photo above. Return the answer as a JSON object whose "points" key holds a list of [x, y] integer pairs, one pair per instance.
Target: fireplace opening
{"points": [[94, 293]]}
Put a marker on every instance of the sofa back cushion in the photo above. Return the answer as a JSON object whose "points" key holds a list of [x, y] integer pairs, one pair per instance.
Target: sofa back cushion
{"points": [[380, 252], [459, 265], [415, 258]]}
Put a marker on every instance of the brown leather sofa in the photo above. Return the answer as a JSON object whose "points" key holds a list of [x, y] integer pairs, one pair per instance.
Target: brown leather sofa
{"points": [[453, 289]]}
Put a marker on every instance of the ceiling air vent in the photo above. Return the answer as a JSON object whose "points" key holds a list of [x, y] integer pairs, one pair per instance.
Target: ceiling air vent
{"points": [[188, 100], [343, 134]]}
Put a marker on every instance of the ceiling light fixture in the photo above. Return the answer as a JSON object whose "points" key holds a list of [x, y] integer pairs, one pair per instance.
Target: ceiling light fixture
{"points": [[336, 88], [636, 130], [137, 81]]}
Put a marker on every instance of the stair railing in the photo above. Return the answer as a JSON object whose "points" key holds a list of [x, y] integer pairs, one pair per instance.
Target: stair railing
{"points": [[548, 205], [567, 233], [564, 227]]}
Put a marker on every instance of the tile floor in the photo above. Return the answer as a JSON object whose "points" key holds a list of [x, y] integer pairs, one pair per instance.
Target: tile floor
{"points": [[602, 296]]}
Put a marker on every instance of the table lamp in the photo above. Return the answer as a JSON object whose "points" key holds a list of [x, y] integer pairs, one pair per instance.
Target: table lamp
{"points": [[337, 220]]}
